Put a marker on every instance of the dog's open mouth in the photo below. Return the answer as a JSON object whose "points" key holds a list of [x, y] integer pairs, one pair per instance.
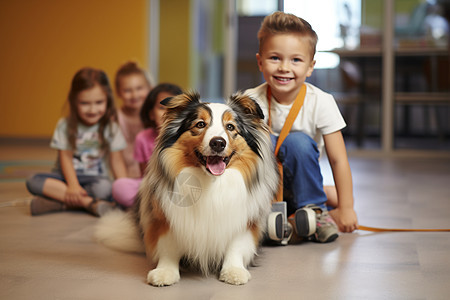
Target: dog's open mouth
{"points": [[215, 164]]}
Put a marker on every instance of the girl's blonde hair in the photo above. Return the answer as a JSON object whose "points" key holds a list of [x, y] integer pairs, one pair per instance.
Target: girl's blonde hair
{"points": [[85, 79], [131, 68], [282, 23]]}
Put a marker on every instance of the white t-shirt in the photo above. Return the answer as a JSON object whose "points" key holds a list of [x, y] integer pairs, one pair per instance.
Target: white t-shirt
{"points": [[318, 116], [88, 157]]}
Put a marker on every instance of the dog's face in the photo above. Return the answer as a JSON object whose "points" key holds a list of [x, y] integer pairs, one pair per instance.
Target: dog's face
{"points": [[210, 135]]}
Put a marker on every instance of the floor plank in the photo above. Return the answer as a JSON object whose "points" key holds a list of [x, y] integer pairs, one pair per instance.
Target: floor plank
{"points": [[54, 256]]}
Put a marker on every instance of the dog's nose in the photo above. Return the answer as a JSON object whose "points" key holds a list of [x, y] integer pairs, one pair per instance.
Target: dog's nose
{"points": [[217, 144]]}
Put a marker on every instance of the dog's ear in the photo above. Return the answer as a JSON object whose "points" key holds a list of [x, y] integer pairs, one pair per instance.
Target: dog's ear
{"points": [[181, 101], [246, 104]]}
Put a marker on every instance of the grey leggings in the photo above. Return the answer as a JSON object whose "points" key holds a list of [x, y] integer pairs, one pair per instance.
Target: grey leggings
{"points": [[95, 186]]}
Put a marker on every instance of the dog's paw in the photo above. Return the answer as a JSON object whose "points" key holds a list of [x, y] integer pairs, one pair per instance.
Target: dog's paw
{"points": [[235, 275], [163, 276]]}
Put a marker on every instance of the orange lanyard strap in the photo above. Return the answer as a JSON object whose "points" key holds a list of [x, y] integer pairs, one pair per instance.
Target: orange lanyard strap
{"points": [[296, 106]]}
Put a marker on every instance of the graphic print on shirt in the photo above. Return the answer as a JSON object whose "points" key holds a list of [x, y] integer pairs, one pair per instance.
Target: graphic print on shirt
{"points": [[88, 157]]}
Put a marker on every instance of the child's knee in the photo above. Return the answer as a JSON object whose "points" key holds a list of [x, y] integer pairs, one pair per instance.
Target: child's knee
{"points": [[102, 188], [124, 191], [301, 144], [35, 184], [119, 188]]}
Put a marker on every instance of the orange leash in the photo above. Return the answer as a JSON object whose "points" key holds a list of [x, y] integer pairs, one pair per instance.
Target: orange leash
{"points": [[378, 229], [293, 112]]}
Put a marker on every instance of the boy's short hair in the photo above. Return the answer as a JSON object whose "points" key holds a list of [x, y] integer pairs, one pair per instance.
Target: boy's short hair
{"points": [[281, 23]]}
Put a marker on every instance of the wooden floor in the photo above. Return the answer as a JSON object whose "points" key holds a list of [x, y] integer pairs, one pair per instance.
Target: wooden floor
{"points": [[55, 257]]}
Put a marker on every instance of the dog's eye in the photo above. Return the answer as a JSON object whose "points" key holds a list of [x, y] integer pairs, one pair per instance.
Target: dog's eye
{"points": [[200, 124], [230, 127]]}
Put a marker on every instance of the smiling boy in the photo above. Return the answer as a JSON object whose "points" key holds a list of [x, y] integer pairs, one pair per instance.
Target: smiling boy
{"points": [[287, 45]]}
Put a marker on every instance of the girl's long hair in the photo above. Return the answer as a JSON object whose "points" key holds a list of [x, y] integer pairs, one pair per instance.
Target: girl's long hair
{"points": [[150, 101], [84, 79]]}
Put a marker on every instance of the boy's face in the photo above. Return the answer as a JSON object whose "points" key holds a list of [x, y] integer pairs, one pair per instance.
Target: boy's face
{"points": [[286, 61]]}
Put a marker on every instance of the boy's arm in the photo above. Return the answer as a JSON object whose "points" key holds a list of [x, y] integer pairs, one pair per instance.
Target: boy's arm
{"points": [[117, 163], [344, 214]]}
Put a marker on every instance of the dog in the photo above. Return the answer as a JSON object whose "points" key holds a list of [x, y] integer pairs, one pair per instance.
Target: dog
{"points": [[206, 194]]}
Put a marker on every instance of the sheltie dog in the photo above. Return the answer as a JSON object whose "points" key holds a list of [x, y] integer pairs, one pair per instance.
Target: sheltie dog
{"points": [[206, 194]]}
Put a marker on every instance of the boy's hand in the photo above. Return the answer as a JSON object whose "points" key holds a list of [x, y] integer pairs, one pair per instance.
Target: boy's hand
{"points": [[345, 219], [73, 195]]}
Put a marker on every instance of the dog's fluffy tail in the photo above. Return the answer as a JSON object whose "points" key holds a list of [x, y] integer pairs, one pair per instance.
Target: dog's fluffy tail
{"points": [[119, 231]]}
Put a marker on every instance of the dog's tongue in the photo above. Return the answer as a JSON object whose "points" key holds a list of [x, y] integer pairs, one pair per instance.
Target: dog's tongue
{"points": [[215, 165]]}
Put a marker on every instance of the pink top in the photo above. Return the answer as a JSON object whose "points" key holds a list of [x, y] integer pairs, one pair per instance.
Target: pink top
{"points": [[145, 144]]}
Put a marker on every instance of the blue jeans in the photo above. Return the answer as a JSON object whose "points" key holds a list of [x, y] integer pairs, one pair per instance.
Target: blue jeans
{"points": [[302, 178]]}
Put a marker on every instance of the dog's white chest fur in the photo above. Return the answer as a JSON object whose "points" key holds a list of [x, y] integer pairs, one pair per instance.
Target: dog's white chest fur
{"points": [[205, 213]]}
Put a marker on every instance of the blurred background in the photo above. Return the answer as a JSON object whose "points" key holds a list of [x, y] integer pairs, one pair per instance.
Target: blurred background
{"points": [[385, 61]]}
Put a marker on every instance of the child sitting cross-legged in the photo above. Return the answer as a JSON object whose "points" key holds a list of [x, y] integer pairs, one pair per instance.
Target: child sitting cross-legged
{"points": [[124, 190], [89, 144]]}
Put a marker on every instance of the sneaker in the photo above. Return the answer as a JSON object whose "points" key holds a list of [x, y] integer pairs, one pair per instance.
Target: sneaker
{"points": [[304, 221], [278, 229], [40, 205], [100, 207], [315, 223], [326, 229], [275, 226]]}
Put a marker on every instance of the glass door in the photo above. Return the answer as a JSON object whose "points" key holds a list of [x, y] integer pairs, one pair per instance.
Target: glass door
{"points": [[422, 81]]}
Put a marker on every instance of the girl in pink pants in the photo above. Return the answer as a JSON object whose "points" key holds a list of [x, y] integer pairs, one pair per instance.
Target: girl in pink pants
{"points": [[124, 190]]}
